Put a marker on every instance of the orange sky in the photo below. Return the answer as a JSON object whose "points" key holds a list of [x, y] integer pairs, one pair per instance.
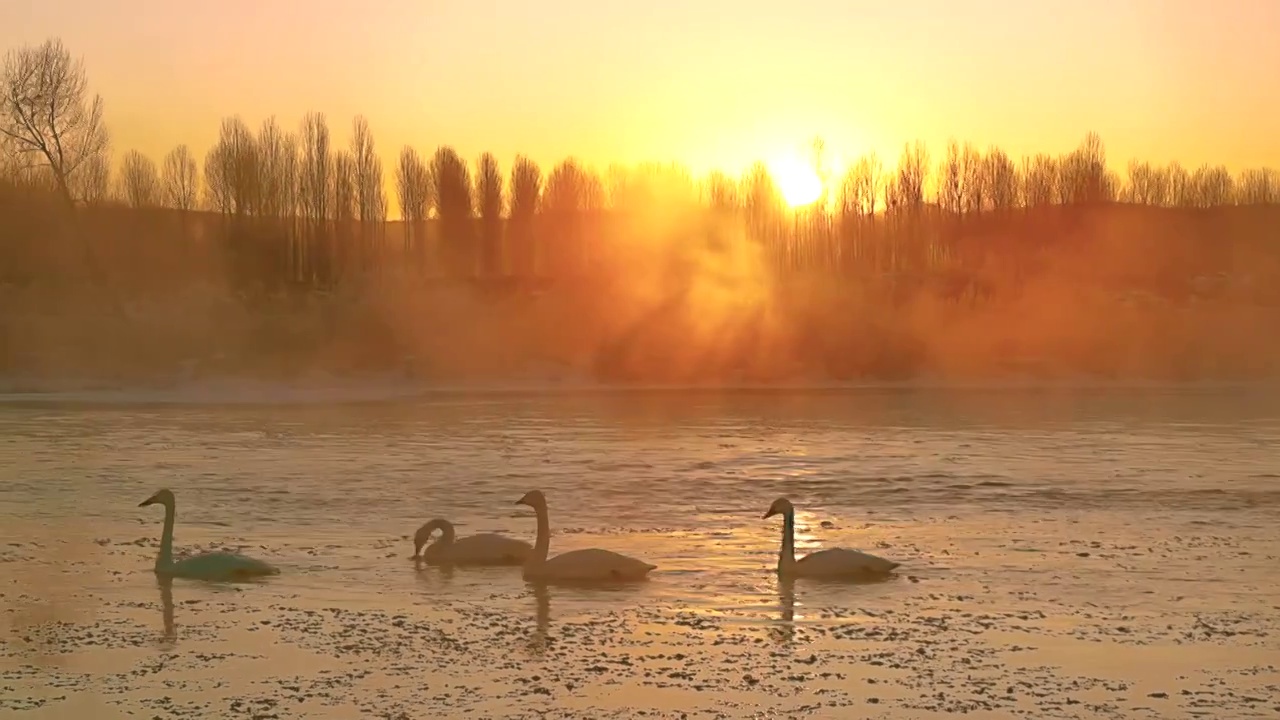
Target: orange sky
{"points": [[706, 82]]}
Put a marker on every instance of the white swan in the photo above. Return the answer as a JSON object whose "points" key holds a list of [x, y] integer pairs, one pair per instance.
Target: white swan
{"points": [[834, 563], [209, 566], [577, 565], [485, 549]]}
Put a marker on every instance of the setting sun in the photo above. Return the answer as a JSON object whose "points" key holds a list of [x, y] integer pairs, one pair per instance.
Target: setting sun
{"points": [[798, 183]]}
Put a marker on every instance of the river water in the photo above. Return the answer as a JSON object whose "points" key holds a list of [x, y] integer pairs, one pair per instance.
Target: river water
{"points": [[1066, 552]]}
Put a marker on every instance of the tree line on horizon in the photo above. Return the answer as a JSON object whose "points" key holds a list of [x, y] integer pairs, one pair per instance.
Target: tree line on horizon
{"points": [[294, 207]]}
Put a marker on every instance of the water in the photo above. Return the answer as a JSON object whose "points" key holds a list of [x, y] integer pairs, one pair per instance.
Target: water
{"points": [[1048, 538]]}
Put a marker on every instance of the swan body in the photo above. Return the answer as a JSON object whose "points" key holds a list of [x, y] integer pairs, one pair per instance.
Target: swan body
{"points": [[833, 563], [593, 565], [207, 566], [484, 549]]}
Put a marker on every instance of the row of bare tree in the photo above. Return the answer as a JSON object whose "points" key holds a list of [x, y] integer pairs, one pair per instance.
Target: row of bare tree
{"points": [[322, 210]]}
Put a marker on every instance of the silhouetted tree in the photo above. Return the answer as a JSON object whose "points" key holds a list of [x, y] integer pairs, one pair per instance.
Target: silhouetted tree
{"points": [[370, 196], [526, 195], [413, 188], [314, 189], [1000, 178], [231, 170], [180, 180], [1258, 186], [47, 116], [489, 200], [721, 193], [1039, 181], [139, 180], [1084, 177], [1214, 186], [451, 198]]}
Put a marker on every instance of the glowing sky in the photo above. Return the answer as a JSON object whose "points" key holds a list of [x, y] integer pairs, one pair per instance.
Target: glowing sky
{"points": [[707, 82]]}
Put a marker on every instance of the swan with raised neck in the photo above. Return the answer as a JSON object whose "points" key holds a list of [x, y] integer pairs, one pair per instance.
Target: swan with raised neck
{"points": [[832, 563], [590, 565], [206, 566]]}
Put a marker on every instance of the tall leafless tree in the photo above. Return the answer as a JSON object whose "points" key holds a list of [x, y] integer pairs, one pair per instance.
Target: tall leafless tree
{"points": [[525, 193], [314, 183], [139, 180], [413, 188], [1258, 186], [371, 198], [1000, 178], [490, 201], [47, 116], [231, 170], [451, 198], [179, 179]]}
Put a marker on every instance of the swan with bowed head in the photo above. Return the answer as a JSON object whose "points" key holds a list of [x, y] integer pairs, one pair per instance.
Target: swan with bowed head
{"points": [[483, 549], [207, 566], [591, 565], [833, 563]]}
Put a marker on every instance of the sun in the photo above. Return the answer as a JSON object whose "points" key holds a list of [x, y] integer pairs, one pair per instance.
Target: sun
{"points": [[798, 183]]}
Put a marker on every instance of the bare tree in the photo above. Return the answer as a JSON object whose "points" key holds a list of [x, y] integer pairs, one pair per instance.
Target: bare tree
{"points": [[1214, 186], [179, 179], [371, 198], [1181, 189], [231, 170], [277, 169], [413, 188], [342, 198], [951, 179], [912, 173], [1260, 186], [139, 180], [46, 114], [721, 192], [1039, 181], [343, 206], [489, 199], [1083, 176], [525, 193], [316, 167], [92, 181], [1000, 178], [451, 183], [976, 195]]}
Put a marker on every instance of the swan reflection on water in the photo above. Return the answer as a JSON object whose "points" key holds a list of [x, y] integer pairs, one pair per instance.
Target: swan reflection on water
{"points": [[817, 590], [165, 583], [784, 631], [539, 641]]}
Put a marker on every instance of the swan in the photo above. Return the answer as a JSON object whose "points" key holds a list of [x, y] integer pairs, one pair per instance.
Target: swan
{"points": [[208, 566], [486, 549], [576, 565], [834, 563]]}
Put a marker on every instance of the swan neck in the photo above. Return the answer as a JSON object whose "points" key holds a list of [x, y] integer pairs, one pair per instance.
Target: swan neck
{"points": [[543, 544], [788, 556], [165, 558]]}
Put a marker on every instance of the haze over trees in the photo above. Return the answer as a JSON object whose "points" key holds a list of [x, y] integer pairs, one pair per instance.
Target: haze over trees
{"points": [[284, 210]]}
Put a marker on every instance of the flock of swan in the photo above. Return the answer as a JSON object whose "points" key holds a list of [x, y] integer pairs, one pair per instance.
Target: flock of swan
{"points": [[494, 549]]}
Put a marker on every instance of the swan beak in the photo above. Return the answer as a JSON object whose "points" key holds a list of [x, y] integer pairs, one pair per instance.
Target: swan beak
{"points": [[145, 503], [769, 514]]}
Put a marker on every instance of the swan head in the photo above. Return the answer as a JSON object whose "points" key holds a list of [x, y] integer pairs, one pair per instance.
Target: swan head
{"points": [[162, 497], [781, 506], [534, 499], [424, 533]]}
